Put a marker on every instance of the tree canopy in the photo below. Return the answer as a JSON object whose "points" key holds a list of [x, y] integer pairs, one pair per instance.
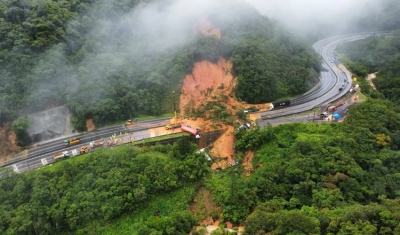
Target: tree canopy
{"points": [[102, 61], [379, 54]]}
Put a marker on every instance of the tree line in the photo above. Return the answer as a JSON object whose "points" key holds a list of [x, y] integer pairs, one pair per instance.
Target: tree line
{"points": [[376, 54], [309, 178], [65, 53], [102, 186]]}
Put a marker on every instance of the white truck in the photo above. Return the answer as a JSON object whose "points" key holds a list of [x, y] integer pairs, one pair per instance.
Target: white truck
{"points": [[59, 156]]}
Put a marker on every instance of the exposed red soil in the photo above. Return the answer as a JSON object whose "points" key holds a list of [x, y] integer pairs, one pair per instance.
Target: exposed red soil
{"points": [[247, 162], [205, 27], [8, 143], [90, 125], [204, 206], [205, 75], [223, 149]]}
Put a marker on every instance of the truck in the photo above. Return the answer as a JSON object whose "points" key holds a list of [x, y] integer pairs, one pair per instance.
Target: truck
{"points": [[332, 108], [280, 104], [97, 143], [172, 126], [59, 156], [189, 129], [72, 142]]}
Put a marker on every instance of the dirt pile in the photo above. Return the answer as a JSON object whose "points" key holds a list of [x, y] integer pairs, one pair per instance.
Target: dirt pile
{"points": [[370, 77], [223, 150], [247, 162], [8, 143], [212, 83], [90, 125]]}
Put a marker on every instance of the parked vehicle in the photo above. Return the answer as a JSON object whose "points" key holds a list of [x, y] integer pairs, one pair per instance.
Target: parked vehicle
{"points": [[72, 142], [85, 149], [332, 108], [60, 156], [97, 143], [280, 104]]}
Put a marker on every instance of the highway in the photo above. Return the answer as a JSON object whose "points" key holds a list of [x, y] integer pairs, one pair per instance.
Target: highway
{"points": [[327, 90], [42, 154], [331, 80]]}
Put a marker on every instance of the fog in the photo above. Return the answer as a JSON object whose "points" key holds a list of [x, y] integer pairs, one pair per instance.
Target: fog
{"points": [[306, 16], [115, 42]]}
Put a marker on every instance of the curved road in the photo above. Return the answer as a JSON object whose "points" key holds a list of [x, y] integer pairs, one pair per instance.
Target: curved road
{"points": [[327, 90], [331, 80]]}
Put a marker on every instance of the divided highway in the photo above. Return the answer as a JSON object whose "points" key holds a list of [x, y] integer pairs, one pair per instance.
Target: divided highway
{"points": [[331, 80], [42, 153], [327, 90]]}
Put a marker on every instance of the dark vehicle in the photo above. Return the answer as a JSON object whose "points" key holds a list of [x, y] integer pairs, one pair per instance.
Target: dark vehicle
{"points": [[280, 104]]}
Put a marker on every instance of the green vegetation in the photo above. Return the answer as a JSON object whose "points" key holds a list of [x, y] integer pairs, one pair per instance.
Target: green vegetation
{"points": [[20, 127], [376, 54], [88, 56], [338, 178], [103, 186]]}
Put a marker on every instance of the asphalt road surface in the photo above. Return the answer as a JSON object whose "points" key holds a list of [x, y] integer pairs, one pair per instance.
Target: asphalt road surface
{"points": [[325, 91], [331, 80], [309, 117], [42, 153]]}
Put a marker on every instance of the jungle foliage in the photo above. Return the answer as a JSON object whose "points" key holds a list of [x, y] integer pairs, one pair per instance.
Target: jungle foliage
{"points": [[379, 54], [309, 178], [96, 58], [107, 184]]}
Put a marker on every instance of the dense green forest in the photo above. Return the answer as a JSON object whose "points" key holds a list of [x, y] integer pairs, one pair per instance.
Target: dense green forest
{"points": [[102, 186], [104, 60], [308, 178], [376, 54], [337, 178]]}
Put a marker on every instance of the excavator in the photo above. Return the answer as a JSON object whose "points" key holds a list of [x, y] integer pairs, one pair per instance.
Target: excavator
{"points": [[128, 124], [175, 124], [84, 149]]}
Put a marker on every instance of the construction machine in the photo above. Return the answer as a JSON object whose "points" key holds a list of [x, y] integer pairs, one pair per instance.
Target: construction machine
{"points": [[128, 124], [175, 124], [84, 149]]}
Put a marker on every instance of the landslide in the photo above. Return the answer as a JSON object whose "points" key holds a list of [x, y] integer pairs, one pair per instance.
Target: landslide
{"points": [[8, 143], [243, 60]]}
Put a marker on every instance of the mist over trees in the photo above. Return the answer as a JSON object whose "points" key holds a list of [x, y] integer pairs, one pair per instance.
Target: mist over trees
{"points": [[109, 61], [379, 54], [325, 18]]}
